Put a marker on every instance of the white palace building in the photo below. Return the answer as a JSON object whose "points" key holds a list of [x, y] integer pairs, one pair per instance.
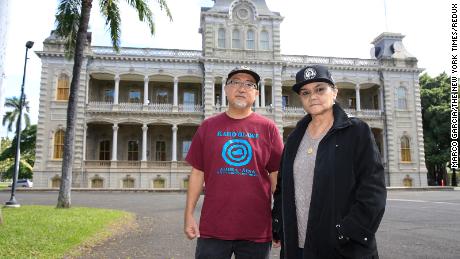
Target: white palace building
{"points": [[139, 109]]}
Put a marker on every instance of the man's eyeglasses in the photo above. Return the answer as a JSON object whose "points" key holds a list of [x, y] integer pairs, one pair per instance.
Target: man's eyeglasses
{"points": [[245, 84], [319, 90]]}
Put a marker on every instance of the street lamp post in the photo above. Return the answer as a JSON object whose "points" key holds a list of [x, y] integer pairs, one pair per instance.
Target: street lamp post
{"points": [[12, 202]]}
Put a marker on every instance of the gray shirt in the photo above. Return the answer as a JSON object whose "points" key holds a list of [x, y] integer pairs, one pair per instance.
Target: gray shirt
{"points": [[304, 166]]}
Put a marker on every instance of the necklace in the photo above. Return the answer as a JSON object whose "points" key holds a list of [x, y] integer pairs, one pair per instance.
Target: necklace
{"points": [[315, 141]]}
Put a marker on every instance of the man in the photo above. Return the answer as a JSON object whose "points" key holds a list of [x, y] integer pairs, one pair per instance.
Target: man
{"points": [[235, 154]]}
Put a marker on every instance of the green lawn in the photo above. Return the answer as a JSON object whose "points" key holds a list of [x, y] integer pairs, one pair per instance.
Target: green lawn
{"points": [[47, 232], [3, 185]]}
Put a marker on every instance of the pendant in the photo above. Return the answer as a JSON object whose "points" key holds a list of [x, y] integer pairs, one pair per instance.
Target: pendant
{"points": [[310, 150]]}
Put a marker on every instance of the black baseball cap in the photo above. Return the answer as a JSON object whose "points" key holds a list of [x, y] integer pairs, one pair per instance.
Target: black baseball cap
{"points": [[244, 69], [313, 73]]}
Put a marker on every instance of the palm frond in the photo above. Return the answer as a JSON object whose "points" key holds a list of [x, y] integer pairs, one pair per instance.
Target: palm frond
{"points": [[164, 6], [12, 102], [27, 119], [67, 23], [111, 13], [145, 14]]}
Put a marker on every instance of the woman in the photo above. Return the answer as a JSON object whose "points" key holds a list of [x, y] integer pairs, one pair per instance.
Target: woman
{"points": [[331, 194]]}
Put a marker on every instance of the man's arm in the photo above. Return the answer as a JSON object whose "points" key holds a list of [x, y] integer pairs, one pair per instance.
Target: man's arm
{"points": [[195, 187], [273, 179]]}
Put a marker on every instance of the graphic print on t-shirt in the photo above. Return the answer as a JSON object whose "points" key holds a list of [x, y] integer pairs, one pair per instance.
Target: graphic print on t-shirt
{"points": [[237, 152]]}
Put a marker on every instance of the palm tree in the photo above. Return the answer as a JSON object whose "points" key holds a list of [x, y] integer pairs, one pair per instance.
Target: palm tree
{"points": [[27, 157], [11, 116], [72, 19]]}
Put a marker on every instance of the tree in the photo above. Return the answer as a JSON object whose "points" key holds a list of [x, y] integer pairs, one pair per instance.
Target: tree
{"points": [[11, 116], [72, 19], [26, 163], [435, 97]]}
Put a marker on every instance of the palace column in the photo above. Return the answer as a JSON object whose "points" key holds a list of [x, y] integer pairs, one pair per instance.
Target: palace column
{"points": [[146, 90], [114, 142], [176, 94], [144, 142], [174, 143], [358, 98], [262, 93], [223, 103], [117, 89]]}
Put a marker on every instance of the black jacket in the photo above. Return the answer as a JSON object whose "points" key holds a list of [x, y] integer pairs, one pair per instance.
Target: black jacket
{"points": [[348, 195]]}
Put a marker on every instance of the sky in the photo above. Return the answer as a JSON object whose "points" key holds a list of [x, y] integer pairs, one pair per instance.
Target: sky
{"points": [[333, 28]]}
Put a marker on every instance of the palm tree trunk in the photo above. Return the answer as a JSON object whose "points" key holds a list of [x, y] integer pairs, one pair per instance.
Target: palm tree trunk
{"points": [[68, 156]]}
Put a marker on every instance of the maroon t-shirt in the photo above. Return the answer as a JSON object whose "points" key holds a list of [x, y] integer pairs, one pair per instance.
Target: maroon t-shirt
{"points": [[236, 156]]}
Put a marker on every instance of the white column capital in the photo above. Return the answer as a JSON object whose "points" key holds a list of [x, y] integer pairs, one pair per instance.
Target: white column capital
{"points": [[174, 128], [146, 79], [357, 86], [117, 78], [176, 80], [115, 127]]}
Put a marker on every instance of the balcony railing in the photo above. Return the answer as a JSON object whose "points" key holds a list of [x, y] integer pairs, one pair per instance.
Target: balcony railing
{"points": [[100, 106], [136, 107], [331, 61], [146, 52], [160, 107], [130, 107], [294, 111], [373, 113], [102, 164], [190, 108]]}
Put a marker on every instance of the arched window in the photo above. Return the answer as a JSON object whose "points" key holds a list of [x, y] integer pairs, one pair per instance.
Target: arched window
{"points": [[128, 182], [58, 144], [63, 88], [405, 149], [104, 150], [221, 38], [236, 39], [250, 40], [264, 40], [401, 95], [97, 182], [159, 183]]}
